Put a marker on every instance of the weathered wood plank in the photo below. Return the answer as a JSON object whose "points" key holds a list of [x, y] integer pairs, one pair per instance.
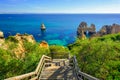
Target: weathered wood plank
{"points": [[22, 76]]}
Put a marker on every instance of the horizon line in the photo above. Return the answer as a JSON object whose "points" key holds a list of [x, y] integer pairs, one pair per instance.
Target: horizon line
{"points": [[59, 13]]}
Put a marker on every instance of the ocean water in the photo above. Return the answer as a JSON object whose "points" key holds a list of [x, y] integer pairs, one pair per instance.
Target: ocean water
{"points": [[61, 28]]}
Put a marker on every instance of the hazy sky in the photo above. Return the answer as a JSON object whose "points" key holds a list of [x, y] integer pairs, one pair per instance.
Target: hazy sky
{"points": [[59, 6]]}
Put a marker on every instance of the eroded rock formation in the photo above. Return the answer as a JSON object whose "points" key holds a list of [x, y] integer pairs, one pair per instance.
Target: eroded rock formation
{"points": [[106, 29], [1, 34], [44, 44], [25, 37], [81, 29], [83, 36], [43, 27], [20, 50], [84, 29], [2, 40], [18, 42], [109, 29]]}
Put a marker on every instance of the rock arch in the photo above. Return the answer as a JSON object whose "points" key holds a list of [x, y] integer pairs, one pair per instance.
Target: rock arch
{"points": [[84, 29]]}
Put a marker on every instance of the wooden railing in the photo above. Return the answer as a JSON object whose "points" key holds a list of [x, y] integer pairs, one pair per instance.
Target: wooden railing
{"points": [[35, 74], [81, 75]]}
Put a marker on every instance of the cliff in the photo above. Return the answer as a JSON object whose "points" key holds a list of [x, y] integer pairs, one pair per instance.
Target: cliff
{"points": [[1, 34], [15, 44], [83, 28], [91, 31], [2, 39], [109, 29]]}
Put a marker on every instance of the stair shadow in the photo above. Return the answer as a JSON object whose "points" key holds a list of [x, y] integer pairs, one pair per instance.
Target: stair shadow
{"points": [[63, 73]]}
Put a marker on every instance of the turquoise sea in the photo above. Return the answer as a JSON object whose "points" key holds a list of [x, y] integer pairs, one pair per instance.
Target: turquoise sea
{"points": [[61, 28]]}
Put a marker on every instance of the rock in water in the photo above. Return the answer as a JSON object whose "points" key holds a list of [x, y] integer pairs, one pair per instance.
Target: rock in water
{"points": [[43, 27], [109, 29], [83, 37], [83, 29]]}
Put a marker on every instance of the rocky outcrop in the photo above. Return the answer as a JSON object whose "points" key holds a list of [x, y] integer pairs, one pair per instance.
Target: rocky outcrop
{"points": [[109, 29], [81, 29], [83, 36], [91, 31], [20, 50], [2, 40], [115, 28], [1, 34], [44, 44], [88, 31], [43, 27], [25, 37], [18, 42]]}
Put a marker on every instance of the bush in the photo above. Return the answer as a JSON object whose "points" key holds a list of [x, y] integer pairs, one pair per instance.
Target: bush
{"points": [[11, 66], [12, 39], [99, 57], [33, 55], [59, 51]]}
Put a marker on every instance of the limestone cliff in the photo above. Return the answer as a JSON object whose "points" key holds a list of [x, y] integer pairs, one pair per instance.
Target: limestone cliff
{"points": [[84, 29], [15, 44], [91, 31], [1, 34], [2, 39], [109, 29], [44, 44], [20, 50]]}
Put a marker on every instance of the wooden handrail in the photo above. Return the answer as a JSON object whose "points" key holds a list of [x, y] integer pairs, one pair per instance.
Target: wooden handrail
{"points": [[79, 74], [35, 73]]}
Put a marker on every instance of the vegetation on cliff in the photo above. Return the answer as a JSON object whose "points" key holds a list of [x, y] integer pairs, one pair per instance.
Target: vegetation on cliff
{"points": [[20, 54], [12, 66], [59, 52], [99, 56]]}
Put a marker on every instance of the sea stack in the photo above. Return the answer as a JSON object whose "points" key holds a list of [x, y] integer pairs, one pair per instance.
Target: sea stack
{"points": [[43, 27], [84, 30]]}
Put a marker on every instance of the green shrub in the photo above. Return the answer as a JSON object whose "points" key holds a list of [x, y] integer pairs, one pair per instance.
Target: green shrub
{"points": [[33, 55], [10, 66], [99, 57], [12, 39], [59, 51]]}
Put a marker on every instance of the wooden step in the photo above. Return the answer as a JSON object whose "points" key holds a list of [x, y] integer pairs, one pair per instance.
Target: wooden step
{"points": [[58, 69], [52, 76], [51, 79], [49, 64], [62, 72]]}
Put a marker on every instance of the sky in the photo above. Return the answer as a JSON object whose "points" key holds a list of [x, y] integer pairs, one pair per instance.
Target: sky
{"points": [[59, 6]]}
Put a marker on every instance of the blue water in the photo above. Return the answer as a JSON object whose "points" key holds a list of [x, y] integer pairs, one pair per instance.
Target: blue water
{"points": [[61, 28]]}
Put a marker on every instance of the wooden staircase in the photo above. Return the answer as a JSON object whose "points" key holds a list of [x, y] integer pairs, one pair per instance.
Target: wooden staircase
{"points": [[56, 69]]}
